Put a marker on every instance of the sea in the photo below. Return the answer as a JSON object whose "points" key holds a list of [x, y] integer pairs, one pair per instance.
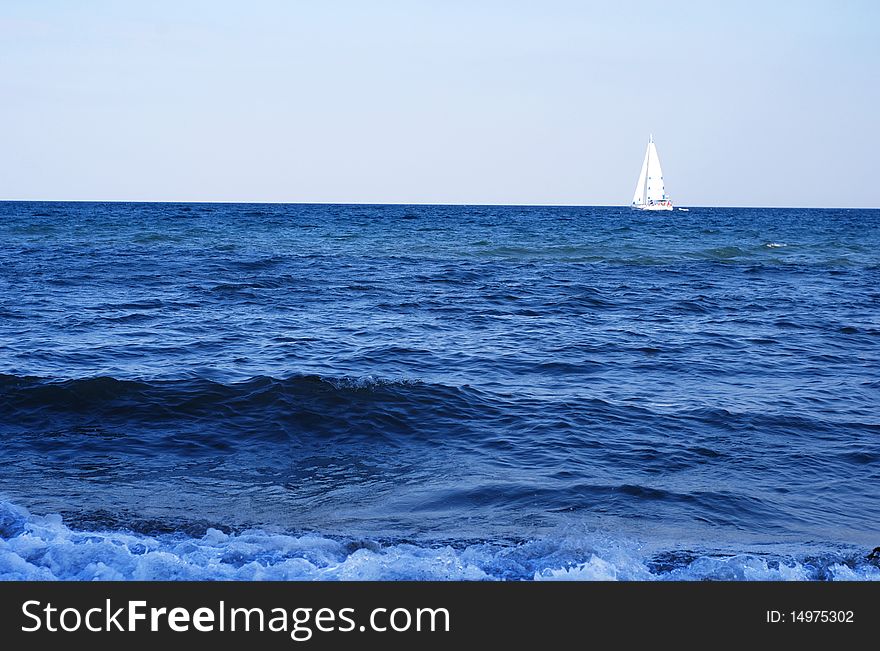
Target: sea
{"points": [[432, 392]]}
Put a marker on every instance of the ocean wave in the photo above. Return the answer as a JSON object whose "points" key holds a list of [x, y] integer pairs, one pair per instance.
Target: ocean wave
{"points": [[365, 407], [47, 391], [44, 548], [260, 407]]}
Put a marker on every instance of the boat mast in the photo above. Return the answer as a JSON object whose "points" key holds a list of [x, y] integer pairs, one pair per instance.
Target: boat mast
{"points": [[647, 171]]}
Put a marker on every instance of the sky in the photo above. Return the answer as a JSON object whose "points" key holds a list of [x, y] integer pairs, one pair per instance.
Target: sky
{"points": [[767, 103]]}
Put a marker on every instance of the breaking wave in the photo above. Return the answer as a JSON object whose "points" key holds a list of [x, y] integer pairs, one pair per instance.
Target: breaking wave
{"points": [[45, 548]]}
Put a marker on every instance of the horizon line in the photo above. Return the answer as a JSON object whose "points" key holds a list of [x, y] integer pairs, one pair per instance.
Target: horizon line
{"points": [[404, 203]]}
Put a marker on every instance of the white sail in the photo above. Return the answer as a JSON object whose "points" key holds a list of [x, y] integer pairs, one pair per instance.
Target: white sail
{"points": [[639, 194], [655, 191], [650, 191]]}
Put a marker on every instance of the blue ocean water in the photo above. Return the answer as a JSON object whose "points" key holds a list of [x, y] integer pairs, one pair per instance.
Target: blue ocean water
{"points": [[438, 392]]}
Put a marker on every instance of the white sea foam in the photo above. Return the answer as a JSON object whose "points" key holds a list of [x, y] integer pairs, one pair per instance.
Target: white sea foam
{"points": [[595, 569], [45, 548]]}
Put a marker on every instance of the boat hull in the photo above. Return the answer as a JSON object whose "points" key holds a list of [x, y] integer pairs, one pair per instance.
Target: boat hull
{"points": [[656, 206]]}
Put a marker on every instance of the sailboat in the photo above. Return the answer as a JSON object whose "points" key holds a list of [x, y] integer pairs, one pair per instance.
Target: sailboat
{"points": [[650, 192]]}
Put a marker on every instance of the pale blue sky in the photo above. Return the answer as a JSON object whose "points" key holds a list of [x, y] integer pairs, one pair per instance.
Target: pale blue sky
{"points": [[750, 103]]}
